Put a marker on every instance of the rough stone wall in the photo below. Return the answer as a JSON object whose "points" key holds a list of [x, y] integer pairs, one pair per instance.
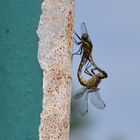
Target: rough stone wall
{"points": [[54, 55]]}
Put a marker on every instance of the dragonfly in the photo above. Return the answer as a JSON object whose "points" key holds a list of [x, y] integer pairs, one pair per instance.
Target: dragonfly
{"points": [[90, 86], [85, 48]]}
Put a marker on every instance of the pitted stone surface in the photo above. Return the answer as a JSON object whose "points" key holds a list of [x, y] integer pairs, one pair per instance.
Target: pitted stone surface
{"points": [[54, 55]]}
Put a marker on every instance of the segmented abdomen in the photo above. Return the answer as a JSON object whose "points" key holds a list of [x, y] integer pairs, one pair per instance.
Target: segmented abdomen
{"points": [[92, 82]]}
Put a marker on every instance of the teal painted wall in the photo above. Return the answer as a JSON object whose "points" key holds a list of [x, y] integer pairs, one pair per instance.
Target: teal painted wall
{"points": [[20, 73]]}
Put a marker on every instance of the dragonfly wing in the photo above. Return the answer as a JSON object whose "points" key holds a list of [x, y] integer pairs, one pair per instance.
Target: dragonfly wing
{"points": [[79, 93], [83, 28], [96, 100], [94, 89], [81, 104], [84, 105]]}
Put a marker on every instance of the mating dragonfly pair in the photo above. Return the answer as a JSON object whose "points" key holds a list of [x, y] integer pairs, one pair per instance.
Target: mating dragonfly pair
{"points": [[90, 86]]}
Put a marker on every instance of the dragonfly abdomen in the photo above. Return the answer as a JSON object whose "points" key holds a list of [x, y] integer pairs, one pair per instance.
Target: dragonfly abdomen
{"points": [[92, 82], [79, 72]]}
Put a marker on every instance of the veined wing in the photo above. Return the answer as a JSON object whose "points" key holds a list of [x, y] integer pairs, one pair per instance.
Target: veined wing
{"points": [[81, 103], [83, 28], [79, 93], [96, 100]]}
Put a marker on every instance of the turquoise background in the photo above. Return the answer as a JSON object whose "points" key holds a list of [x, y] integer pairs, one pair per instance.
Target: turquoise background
{"points": [[20, 73]]}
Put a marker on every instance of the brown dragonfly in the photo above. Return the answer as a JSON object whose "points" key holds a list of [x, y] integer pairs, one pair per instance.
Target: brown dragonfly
{"points": [[85, 49], [90, 86]]}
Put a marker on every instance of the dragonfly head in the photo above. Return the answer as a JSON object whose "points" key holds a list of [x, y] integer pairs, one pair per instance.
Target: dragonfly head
{"points": [[84, 36], [102, 75]]}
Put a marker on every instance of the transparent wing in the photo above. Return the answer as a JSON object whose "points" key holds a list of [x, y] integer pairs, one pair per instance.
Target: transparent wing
{"points": [[83, 28], [81, 103], [79, 93], [96, 100]]}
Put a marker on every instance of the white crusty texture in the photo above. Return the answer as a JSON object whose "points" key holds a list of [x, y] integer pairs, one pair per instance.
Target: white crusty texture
{"points": [[54, 55]]}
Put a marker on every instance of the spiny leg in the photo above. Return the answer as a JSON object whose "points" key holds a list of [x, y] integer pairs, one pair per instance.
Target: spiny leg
{"points": [[76, 42], [77, 35], [87, 71], [79, 52], [92, 70]]}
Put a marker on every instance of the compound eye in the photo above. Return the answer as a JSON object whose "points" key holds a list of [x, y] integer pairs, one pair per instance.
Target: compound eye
{"points": [[85, 36]]}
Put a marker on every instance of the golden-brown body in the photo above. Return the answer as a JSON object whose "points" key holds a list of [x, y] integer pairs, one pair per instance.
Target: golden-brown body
{"points": [[94, 81], [87, 46]]}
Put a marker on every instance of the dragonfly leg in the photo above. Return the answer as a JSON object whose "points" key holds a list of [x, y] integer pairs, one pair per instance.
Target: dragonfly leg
{"points": [[87, 71], [77, 35], [76, 42], [79, 52], [92, 70]]}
